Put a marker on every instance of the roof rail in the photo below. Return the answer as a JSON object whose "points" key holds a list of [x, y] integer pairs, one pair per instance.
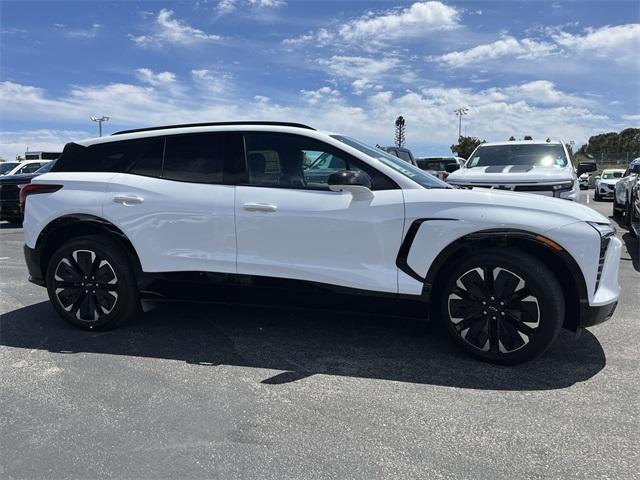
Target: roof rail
{"points": [[213, 124]]}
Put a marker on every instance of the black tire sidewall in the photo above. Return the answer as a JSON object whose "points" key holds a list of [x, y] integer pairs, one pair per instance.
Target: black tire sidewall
{"points": [[127, 303], [543, 286]]}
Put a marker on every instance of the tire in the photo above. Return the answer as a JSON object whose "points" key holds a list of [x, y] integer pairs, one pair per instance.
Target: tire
{"points": [[495, 331], [617, 209], [91, 283], [596, 197]]}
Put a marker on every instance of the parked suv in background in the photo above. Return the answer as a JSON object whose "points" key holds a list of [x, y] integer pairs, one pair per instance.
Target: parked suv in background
{"points": [[10, 188], [605, 185], [401, 152], [543, 168], [196, 212], [622, 199]]}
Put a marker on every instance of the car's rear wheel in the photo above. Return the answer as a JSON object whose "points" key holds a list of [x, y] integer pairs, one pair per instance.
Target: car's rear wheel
{"points": [[91, 283], [502, 307]]}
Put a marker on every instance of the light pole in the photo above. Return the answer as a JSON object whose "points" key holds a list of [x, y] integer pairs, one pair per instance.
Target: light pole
{"points": [[101, 119], [460, 112]]}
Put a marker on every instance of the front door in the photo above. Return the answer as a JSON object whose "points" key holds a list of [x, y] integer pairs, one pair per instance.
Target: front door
{"points": [[290, 225]]}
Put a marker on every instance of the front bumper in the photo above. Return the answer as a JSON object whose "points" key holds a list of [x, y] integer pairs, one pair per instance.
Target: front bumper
{"points": [[605, 190], [591, 316], [32, 257]]}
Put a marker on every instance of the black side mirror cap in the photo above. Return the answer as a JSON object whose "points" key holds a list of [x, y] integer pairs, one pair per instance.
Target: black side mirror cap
{"points": [[350, 178], [451, 167], [584, 167]]}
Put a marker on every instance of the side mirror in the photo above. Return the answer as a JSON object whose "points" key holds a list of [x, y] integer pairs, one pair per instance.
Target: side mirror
{"points": [[356, 182], [451, 167], [584, 167]]}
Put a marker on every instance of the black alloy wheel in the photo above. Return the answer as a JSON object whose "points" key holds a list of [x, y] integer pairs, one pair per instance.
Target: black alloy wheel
{"points": [[86, 285], [503, 306], [91, 284]]}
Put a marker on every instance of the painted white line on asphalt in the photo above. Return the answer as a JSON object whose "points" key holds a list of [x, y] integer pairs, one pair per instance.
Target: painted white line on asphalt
{"points": [[4, 258]]}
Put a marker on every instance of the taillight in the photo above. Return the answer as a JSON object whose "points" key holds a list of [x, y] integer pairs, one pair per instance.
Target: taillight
{"points": [[33, 188]]}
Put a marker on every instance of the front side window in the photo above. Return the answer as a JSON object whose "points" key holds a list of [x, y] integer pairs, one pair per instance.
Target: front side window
{"points": [[528, 155], [6, 167], [294, 161], [408, 170], [194, 158]]}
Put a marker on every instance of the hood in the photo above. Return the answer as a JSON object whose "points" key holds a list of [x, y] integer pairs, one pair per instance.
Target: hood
{"points": [[609, 181], [17, 179], [511, 174], [512, 207]]}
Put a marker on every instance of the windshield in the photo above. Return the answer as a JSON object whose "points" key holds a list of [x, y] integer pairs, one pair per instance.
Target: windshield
{"points": [[46, 167], [5, 167], [539, 155], [610, 175], [411, 172]]}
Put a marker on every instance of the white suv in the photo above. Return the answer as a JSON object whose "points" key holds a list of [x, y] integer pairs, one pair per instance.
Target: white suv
{"points": [[197, 212], [543, 168]]}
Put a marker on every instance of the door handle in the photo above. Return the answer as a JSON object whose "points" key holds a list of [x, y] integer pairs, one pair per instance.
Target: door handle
{"points": [[128, 199], [260, 207]]}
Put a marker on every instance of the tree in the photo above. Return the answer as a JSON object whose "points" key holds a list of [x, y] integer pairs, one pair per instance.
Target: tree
{"points": [[465, 146]]}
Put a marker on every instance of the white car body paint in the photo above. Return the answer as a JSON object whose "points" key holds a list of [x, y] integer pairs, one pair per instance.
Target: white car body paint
{"points": [[321, 236]]}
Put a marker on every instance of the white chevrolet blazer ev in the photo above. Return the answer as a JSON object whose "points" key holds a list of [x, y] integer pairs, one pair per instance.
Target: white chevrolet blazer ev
{"points": [[238, 211]]}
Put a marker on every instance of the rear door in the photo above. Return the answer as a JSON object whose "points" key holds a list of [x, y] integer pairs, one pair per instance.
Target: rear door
{"points": [[175, 203], [290, 225]]}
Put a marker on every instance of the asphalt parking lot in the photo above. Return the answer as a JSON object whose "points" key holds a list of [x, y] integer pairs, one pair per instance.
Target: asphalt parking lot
{"points": [[237, 392]]}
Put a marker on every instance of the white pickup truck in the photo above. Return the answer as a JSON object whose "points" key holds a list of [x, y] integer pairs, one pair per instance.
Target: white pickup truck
{"points": [[543, 168]]}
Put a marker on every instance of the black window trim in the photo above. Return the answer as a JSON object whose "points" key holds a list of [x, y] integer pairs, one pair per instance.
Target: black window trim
{"points": [[242, 177]]}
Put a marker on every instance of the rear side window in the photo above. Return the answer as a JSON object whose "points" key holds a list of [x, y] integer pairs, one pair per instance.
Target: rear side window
{"points": [[194, 158], [121, 156]]}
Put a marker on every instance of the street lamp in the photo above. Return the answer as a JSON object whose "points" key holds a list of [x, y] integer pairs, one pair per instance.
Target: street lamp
{"points": [[101, 119], [460, 112]]}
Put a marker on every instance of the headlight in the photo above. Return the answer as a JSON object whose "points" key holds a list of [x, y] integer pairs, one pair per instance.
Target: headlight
{"points": [[562, 186], [604, 229]]}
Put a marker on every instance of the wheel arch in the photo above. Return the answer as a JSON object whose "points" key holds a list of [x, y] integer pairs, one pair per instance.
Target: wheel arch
{"points": [[75, 225], [551, 254]]}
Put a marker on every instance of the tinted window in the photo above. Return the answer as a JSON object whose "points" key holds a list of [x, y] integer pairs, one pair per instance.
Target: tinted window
{"points": [[46, 167], [541, 155], [194, 158], [50, 155], [5, 167], [404, 155], [29, 168], [32, 156], [118, 156], [295, 161], [149, 163]]}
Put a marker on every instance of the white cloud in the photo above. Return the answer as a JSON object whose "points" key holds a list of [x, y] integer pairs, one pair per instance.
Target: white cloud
{"points": [[413, 21], [367, 73], [226, 6], [374, 30], [168, 30], [213, 82], [631, 118], [506, 47], [620, 42], [79, 33], [534, 108], [14, 143], [161, 79], [267, 3]]}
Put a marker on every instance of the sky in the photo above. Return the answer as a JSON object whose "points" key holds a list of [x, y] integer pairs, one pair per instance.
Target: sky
{"points": [[564, 70]]}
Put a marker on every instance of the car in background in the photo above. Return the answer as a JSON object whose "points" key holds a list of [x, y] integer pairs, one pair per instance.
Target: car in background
{"points": [[634, 215], [11, 209], [584, 181], [623, 189], [543, 168], [6, 167], [27, 166], [402, 153], [606, 184], [440, 167]]}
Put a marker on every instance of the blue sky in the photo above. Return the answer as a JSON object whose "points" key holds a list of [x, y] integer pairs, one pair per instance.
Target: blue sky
{"points": [[559, 69]]}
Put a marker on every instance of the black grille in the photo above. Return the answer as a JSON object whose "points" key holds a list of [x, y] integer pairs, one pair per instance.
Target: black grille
{"points": [[604, 244]]}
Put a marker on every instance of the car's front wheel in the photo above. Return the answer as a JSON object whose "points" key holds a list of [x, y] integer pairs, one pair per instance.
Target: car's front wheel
{"points": [[91, 283], [503, 307], [618, 209]]}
